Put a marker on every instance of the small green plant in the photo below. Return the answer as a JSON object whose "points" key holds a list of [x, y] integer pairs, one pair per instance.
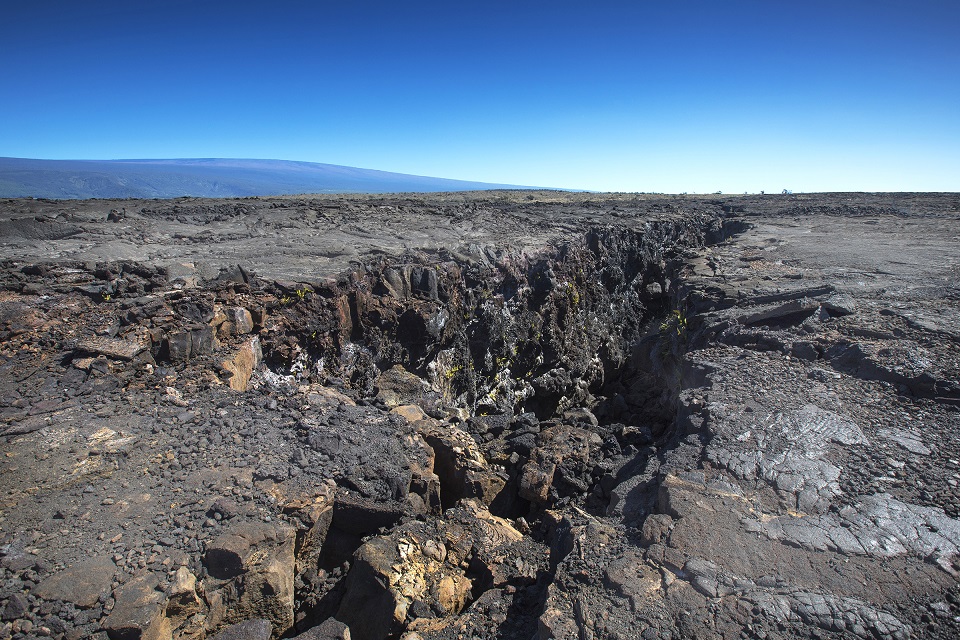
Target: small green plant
{"points": [[675, 322], [574, 294], [298, 295], [673, 336], [106, 297], [452, 371]]}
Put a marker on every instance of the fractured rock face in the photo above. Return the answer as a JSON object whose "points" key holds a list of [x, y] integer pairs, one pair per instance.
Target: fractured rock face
{"points": [[498, 550], [256, 629], [240, 319], [846, 615], [313, 514], [184, 345], [878, 525], [421, 576], [410, 280], [112, 348], [139, 613], [183, 599], [561, 447], [329, 629], [396, 386], [243, 364], [253, 565], [632, 576], [462, 470], [389, 574]]}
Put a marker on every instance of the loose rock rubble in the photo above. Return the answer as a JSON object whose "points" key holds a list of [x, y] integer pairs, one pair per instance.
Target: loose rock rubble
{"points": [[517, 415]]}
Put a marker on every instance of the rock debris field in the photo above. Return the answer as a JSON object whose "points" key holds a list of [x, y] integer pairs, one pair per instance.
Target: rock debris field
{"points": [[498, 415]]}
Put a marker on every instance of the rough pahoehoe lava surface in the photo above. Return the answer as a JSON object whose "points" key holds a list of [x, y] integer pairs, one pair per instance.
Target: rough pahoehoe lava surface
{"points": [[486, 415]]}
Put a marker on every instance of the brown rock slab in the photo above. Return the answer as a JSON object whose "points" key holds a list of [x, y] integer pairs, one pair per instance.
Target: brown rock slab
{"points": [[461, 467], [370, 606], [390, 573], [397, 386], [257, 629], [314, 513], [318, 395], [409, 412], [329, 629], [453, 592], [81, 584], [112, 347], [139, 613]]}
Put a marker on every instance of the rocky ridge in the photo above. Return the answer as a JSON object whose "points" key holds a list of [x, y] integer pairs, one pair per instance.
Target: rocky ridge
{"points": [[598, 417]]}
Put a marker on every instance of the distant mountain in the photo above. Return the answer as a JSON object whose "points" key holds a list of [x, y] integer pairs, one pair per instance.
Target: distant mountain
{"points": [[207, 177]]}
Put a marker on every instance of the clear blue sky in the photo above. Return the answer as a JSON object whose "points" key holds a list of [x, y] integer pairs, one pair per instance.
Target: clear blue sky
{"points": [[672, 96]]}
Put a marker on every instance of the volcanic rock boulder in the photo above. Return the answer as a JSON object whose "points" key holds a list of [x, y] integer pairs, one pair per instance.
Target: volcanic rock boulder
{"points": [[562, 452], [423, 574], [500, 554], [462, 470], [252, 566], [240, 319], [183, 603], [312, 511], [396, 386], [257, 629], [788, 450], [183, 345], [329, 629], [410, 568], [140, 611]]}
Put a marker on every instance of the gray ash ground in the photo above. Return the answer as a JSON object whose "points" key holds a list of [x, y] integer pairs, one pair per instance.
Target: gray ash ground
{"points": [[489, 415]]}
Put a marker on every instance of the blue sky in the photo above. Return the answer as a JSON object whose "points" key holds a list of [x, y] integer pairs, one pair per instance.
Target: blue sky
{"points": [[677, 96]]}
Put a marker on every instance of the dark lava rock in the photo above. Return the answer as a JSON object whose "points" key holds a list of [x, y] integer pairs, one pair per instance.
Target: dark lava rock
{"points": [[548, 415], [248, 630]]}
